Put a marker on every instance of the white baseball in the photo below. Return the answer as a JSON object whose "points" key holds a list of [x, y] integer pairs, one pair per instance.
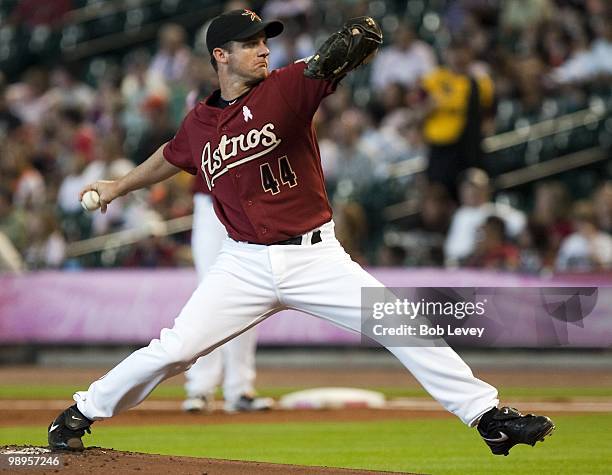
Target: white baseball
{"points": [[91, 200]]}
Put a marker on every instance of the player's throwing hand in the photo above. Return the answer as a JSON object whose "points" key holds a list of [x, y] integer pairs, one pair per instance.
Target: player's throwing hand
{"points": [[107, 191]]}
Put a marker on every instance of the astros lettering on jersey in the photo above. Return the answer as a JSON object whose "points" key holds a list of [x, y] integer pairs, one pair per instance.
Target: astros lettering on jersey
{"points": [[214, 166]]}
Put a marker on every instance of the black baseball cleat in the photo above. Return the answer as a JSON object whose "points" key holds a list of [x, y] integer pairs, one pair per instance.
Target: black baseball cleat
{"points": [[66, 430], [248, 403], [505, 427]]}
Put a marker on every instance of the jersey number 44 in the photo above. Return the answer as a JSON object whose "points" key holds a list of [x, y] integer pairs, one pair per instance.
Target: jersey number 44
{"points": [[269, 176]]}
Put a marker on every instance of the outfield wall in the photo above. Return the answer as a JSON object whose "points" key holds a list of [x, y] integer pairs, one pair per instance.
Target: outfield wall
{"points": [[131, 306]]}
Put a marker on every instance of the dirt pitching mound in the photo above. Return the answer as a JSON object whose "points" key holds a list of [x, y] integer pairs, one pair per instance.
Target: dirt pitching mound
{"points": [[99, 461]]}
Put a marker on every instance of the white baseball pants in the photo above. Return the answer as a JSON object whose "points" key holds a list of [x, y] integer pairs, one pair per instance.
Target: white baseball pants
{"points": [[247, 284], [233, 363]]}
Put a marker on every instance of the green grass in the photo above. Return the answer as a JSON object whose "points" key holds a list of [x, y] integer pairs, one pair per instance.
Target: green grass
{"points": [[21, 391], [439, 446]]}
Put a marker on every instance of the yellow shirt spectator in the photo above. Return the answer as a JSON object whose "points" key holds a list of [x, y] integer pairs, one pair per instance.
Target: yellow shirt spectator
{"points": [[450, 92]]}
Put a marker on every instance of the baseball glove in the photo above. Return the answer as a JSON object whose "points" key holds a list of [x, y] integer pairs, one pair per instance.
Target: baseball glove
{"points": [[346, 49]]}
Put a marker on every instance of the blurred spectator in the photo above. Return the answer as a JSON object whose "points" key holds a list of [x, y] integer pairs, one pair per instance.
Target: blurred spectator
{"points": [[9, 122], [109, 160], [602, 200], [395, 140], [33, 13], [286, 8], [153, 251], [10, 259], [46, 244], [493, 251], [436, 210], [354, 166], [580, 65], [476, 207], [427, 230], [202, 80], [390, 99], [351, 230], [588, 249], [77, 135], [518, 15], [171, 62], [454, 109], [536, 254], [138, 84], [392, 256], [159, 130], [28, 99], [75, 222], [405, 61], [72, 184], [170, 198], [108, 106], [587, 62], [601, 49], [526, 75], [328, 148], [13, 221], [553, 43], [296, 42], [172, 58], [30, 191], [68, 92], [405, 122], [550, 211]]}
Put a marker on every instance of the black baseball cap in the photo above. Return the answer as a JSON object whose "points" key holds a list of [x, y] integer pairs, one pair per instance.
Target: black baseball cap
{"points": [[239, 25]]}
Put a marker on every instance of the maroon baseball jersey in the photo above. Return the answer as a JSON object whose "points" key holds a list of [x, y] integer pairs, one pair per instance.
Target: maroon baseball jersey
{"points": [[198, 185], [259, 157]]}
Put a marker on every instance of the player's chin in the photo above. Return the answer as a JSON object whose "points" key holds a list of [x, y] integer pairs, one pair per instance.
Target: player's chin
{"points": [[259, 75], [261, 71]]}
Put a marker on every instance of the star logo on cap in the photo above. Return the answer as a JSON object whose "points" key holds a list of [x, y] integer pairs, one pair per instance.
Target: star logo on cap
{"points": [[254, 16]]}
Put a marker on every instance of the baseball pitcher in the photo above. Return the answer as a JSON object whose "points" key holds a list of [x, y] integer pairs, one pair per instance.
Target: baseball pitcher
{"points": [[253, 142]]}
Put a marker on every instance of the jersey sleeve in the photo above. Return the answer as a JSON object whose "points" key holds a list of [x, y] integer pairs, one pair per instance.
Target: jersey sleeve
{"points": [[178, 150], [302, 94]]}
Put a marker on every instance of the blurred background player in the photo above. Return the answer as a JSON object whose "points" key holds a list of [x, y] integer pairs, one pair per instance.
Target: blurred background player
{"points": [[234, 362]]}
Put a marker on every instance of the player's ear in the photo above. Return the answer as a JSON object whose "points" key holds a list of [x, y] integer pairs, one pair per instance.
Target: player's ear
{"points": [[221, 55]]}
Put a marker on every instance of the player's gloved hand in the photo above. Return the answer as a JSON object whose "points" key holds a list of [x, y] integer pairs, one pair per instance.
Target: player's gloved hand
{"points": [[346, 49]]}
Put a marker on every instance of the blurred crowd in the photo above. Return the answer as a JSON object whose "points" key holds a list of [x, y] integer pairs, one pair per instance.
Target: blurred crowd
{"points": [[407, 128]]}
